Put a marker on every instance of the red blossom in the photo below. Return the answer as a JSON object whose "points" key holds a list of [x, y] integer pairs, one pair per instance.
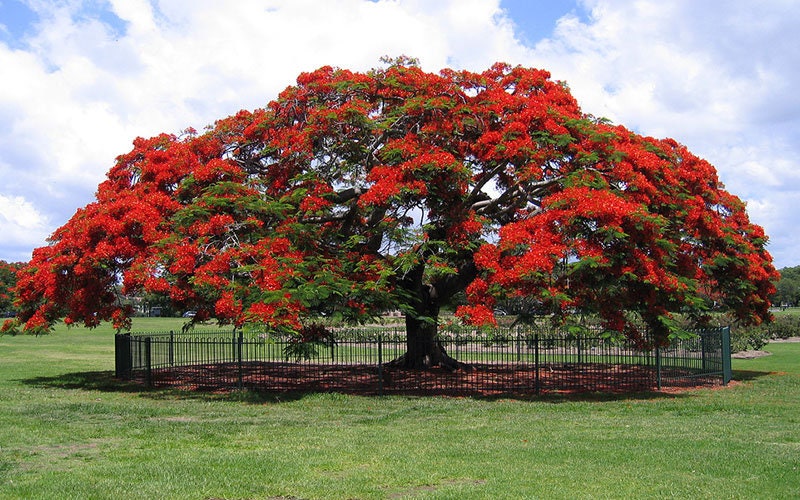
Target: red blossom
{"points": [[478, 315]]}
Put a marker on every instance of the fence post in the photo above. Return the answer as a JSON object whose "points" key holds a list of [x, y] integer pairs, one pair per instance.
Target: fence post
{"points": [[122, 356], [171, 348], [703, 351], [148, 362], [380, 364], [239, 356], [727, 372], [536, 362], [139, 353], [658, 367]]}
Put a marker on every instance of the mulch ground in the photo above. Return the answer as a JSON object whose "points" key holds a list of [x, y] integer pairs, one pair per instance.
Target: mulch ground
{"points": [[479, 380]]}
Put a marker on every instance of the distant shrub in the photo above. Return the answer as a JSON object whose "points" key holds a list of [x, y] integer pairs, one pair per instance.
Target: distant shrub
{"points": [[744, 338], [785, 326], [756, 337]]}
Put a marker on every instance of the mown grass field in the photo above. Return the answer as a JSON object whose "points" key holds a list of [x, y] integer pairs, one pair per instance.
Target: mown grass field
{"points": [[68, 429], [794, 311]]}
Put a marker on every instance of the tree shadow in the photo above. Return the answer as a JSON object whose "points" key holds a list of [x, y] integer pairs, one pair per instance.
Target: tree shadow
{"points": [[105, 381], [749, 375], [102, 381]]}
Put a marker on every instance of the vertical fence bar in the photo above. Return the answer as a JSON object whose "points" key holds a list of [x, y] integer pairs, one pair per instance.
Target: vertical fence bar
{"points": [[117, 357], [703, 352], [239, 356], [139, 353], [380, 364], [148, 362], [658, 368], [171, 348], [536, 363], [727, 372]]}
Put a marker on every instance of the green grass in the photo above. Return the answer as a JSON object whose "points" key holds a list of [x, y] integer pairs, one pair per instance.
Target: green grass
{"points": [[790, 311], [69, 430]]}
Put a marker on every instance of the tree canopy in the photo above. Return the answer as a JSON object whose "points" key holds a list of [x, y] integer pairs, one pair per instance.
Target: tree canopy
{"points": [[353, 193], [8, 280], [788, 287]]}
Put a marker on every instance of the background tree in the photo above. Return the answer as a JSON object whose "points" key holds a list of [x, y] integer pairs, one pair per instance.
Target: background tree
{"points": [[357, 192], [788, 287], [8, 281]]}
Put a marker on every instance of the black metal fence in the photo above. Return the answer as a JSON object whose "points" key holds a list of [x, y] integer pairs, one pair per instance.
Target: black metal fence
{"points": [[501, 361]]}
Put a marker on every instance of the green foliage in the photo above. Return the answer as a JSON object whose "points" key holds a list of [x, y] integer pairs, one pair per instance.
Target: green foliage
{"points": [[756, 337], [305, 345], [8, 280], [301, 350], [788, 287], [784, 326], [744, 338]]}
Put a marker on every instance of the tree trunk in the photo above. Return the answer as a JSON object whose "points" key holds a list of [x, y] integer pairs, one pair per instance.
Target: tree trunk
{"points": [[423, 349]]}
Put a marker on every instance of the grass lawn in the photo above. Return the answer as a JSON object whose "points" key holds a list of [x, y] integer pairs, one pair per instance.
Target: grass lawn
{"points": [[69, 430], [789, 311]]}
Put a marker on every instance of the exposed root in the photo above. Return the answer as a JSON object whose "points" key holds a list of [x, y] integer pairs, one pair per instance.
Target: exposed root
{"points": [[437, 360]]}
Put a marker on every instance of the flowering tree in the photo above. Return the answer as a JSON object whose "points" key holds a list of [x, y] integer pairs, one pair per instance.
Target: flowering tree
{"points": [[353, 193]]}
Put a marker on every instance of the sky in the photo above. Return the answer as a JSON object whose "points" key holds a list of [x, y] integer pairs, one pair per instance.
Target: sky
{"points": [[79, 80]]}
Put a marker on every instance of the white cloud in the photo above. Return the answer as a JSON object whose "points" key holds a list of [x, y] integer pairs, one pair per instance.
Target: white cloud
{"points": [[771, 214], [717, 76], [22, 226]]}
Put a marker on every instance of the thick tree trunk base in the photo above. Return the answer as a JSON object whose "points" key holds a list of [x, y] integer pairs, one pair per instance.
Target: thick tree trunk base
{"points": [[435, 357]]}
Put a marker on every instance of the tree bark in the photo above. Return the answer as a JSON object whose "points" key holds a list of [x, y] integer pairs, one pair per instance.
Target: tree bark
{"points": [[423, 349]]}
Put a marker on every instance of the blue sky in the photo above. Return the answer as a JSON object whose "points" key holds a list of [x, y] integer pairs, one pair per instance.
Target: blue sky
{"points": [[81, 79], [17, 20], [535, 20]]}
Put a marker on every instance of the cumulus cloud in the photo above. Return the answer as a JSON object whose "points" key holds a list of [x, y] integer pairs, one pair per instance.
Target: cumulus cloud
{"points": [[88, 77], [22, 226]]}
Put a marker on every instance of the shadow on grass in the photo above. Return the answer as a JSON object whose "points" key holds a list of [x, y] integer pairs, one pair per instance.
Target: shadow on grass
{"points": [[105, 381], [748, 375]]}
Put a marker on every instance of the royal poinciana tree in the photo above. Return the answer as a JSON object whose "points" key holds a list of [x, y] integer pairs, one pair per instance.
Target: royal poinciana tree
{"points": [[354, 193]]}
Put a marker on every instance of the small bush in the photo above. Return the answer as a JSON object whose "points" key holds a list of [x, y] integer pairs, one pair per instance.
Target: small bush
{"points": [[756, 337], [306, 343], [785, 326], [745, 338]]}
